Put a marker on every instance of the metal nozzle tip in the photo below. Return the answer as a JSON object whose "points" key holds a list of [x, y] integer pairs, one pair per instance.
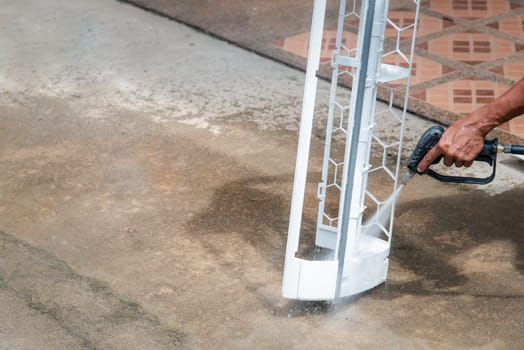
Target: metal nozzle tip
{"points": [[407, 176]]}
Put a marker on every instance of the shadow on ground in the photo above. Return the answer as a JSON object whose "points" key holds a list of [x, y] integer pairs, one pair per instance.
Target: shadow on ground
{"points": [[454, 231], [433, 237]]}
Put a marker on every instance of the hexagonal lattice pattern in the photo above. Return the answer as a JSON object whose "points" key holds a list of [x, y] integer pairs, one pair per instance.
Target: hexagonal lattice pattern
{"points": [[385, 131]]}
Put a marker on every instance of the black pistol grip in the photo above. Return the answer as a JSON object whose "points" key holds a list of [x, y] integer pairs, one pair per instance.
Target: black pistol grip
{"points": [[488, 154], [429, 139]]}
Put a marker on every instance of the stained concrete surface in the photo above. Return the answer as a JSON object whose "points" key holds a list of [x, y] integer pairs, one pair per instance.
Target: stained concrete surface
{"points": [[263, 26], [144, 198]]}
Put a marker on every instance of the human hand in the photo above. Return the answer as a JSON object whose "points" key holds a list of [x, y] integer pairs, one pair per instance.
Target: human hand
{"points": [[460, 144]]}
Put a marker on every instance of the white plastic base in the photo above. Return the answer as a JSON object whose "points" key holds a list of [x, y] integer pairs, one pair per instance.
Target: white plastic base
{"points": [[314, 280], [326, 237]]}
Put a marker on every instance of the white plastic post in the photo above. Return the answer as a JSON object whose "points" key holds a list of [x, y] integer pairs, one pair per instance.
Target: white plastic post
{"points": [[358, 143], [359, 261], [304, 140]]}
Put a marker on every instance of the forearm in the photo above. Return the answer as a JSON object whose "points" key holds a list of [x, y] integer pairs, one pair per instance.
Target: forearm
{"points": [[507, 106], [511, 103], [464, 139]]}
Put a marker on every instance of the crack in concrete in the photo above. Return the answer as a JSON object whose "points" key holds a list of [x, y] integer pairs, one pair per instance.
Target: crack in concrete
{"points": [[52, 313], [84, 307]]}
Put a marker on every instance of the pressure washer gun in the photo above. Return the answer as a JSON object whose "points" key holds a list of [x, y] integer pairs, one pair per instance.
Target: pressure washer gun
{"points": [[432, 136]]}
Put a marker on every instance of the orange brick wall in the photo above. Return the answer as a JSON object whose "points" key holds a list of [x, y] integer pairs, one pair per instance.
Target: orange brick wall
{"points": [[298, 44], [512, 25], [494, 7], [428, 25], [516, 126], [444, 47], [514, 70], [445, 95]]}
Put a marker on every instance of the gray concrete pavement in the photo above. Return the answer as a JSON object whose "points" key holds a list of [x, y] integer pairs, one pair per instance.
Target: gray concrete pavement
{"points": [[144, 198], [265, 27]]}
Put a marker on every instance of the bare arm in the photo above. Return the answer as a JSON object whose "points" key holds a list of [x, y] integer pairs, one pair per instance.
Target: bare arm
{"points": [[463, 140]]}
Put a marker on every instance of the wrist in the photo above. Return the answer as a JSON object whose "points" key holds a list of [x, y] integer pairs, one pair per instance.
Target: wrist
{"points": [[483, 119]]}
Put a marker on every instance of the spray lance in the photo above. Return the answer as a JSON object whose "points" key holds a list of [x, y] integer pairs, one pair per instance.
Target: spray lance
{"points": [[430, 139]]}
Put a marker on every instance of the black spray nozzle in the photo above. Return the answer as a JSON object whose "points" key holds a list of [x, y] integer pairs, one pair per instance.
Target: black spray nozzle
{"points": [[427, 141], [430, 139]]}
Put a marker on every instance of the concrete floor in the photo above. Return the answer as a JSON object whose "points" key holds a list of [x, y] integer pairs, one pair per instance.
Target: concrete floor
{"points": [[144, 198], [280, 30]]}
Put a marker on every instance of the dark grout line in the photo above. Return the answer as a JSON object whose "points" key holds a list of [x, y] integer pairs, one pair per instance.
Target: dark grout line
{"points": [[480, 25]]}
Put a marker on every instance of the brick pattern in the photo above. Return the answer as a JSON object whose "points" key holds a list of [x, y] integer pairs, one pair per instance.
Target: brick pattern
{"points": [[464, 95], [402, 19], [457, 70], [474, 5], [510, 70], [471, 47], [516, 126], [512, 25], [474, 48], [298, 44], [470, 8]]}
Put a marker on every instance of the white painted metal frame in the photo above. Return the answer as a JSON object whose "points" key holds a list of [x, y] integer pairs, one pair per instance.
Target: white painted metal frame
{"points": [[360, 261]]}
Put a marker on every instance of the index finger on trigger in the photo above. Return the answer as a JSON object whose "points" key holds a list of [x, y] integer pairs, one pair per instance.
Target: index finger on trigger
{"points": [[429, 158]]}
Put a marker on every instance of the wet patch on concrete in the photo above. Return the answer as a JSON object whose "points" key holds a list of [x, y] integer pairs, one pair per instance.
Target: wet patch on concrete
{"points": [[257, 210], [85, 308], [460, 234], [251, 208]]}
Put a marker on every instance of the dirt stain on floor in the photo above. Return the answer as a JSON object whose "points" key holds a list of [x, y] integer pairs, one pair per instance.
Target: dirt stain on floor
{"points": [[197, 233], [84, 307], [459, 235]]}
